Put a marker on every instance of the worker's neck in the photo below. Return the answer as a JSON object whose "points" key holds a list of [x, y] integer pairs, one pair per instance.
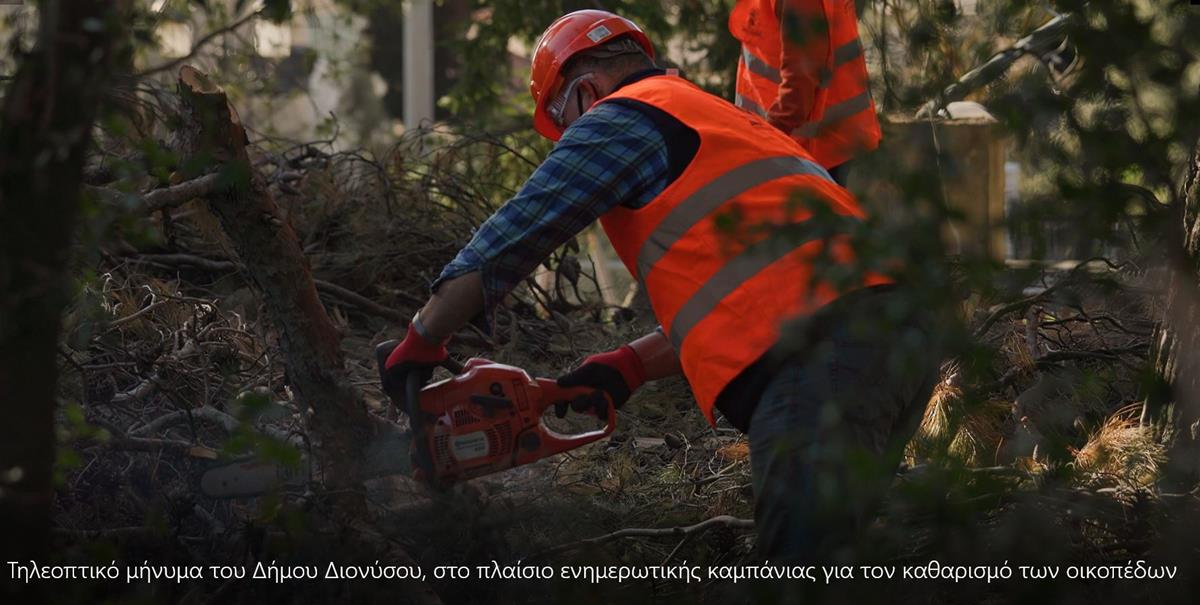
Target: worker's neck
{"points": [[637, 75]]}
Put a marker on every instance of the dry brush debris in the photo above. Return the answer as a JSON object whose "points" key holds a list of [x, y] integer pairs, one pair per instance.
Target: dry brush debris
{"points": [[171, 354]]}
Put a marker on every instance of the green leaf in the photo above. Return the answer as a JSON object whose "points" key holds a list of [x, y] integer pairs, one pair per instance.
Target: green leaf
{"points": [[74, 415]]}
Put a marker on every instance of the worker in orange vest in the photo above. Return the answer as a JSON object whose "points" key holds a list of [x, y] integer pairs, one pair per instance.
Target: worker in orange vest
{"points": [[663, 165], [802, 69]]}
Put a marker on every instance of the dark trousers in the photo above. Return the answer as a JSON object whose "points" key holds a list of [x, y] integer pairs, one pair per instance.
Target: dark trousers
{"points": [[828, 432], [840, 173]]}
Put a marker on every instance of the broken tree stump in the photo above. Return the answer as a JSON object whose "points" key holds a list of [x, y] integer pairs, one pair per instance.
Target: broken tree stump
{"points": [[211, 136]]}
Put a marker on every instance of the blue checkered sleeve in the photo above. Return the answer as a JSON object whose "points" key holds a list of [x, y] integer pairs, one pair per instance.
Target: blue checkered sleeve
{"points": [[611, 155]]}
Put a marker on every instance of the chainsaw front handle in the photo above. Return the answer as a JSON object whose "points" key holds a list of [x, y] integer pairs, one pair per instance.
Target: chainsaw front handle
{"points": [[552, 442]]}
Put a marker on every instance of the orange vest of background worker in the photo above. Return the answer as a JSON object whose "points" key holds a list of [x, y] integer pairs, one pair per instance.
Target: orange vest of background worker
{"points": [[802, 68]]}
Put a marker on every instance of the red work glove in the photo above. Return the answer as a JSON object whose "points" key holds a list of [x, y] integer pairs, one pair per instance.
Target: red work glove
{"points": [[616, 373], [414, 354]]}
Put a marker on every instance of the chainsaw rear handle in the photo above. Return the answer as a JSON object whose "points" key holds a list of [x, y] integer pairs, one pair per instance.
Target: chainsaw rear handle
{"points": [[384, 350], [552, 442], [421, 456]]}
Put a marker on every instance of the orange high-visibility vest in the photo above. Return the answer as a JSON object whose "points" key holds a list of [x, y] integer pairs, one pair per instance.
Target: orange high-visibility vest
{"points": [[708, 249], [843, 121]]}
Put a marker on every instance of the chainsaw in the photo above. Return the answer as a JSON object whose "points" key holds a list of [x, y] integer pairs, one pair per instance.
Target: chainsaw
{"points": [[484, 419]]}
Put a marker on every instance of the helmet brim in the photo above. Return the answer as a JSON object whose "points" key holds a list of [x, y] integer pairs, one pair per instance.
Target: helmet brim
{"points": [[546, 126]]}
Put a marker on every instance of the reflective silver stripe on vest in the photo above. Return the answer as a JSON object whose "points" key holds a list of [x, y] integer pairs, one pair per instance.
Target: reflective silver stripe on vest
{"points": [[835, 113], [697, 206], [746, 265], [759, 66], [847, 52], [825, 76], [844, 54], [749, 105]]}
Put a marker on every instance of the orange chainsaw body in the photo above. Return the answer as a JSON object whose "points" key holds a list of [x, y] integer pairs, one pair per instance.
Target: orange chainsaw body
{"points": [[488, 418]]}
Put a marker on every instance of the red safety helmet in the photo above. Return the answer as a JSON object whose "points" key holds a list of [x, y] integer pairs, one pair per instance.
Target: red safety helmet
{"points": [[569, 35]]}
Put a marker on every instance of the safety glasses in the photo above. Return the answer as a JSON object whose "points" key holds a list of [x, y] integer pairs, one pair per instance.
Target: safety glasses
{"points": [[559, 105]]}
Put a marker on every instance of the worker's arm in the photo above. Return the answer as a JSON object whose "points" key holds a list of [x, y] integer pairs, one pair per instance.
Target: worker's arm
{"points": [[804, 38], [452, 306], [658, 355], [611, 155], [620, 372]]}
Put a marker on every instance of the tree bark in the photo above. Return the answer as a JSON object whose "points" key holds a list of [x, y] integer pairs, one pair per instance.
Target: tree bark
{"points": [[45, 132], [271, 255], [211, 135], [1172, 408]]}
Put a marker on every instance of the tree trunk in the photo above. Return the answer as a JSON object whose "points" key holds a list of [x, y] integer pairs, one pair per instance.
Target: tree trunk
{"points": [[270, 251], [45, 132], [211, 135], [1173, 408]]}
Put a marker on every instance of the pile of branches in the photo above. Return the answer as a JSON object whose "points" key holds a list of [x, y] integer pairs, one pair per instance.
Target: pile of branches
{"points": [[172, 362]]}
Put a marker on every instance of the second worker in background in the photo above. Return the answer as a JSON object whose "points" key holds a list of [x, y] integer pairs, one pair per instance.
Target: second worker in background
{"points": [[802, 69]]}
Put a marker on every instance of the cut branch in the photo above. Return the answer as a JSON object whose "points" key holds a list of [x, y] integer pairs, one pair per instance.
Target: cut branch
{"points": [[208, 414], [364, 303], [198, 46], [469, 336], [331, 289], [120, 440], [1039, 42], [167, 197]]}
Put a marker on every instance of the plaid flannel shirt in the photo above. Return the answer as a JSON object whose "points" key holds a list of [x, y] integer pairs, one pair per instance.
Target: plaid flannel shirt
{"points": [[611, 155]]}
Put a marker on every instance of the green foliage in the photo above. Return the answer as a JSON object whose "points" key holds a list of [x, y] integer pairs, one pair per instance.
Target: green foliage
{"points": [[245, 439], [483, 93], [1104, 148]]}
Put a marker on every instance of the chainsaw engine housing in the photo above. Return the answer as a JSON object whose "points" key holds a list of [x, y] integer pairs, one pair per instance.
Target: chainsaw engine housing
{"points": [[489, 418]]}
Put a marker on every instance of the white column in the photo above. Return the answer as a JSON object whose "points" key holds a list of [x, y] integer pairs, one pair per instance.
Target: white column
{"points": [[418, 63]]}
